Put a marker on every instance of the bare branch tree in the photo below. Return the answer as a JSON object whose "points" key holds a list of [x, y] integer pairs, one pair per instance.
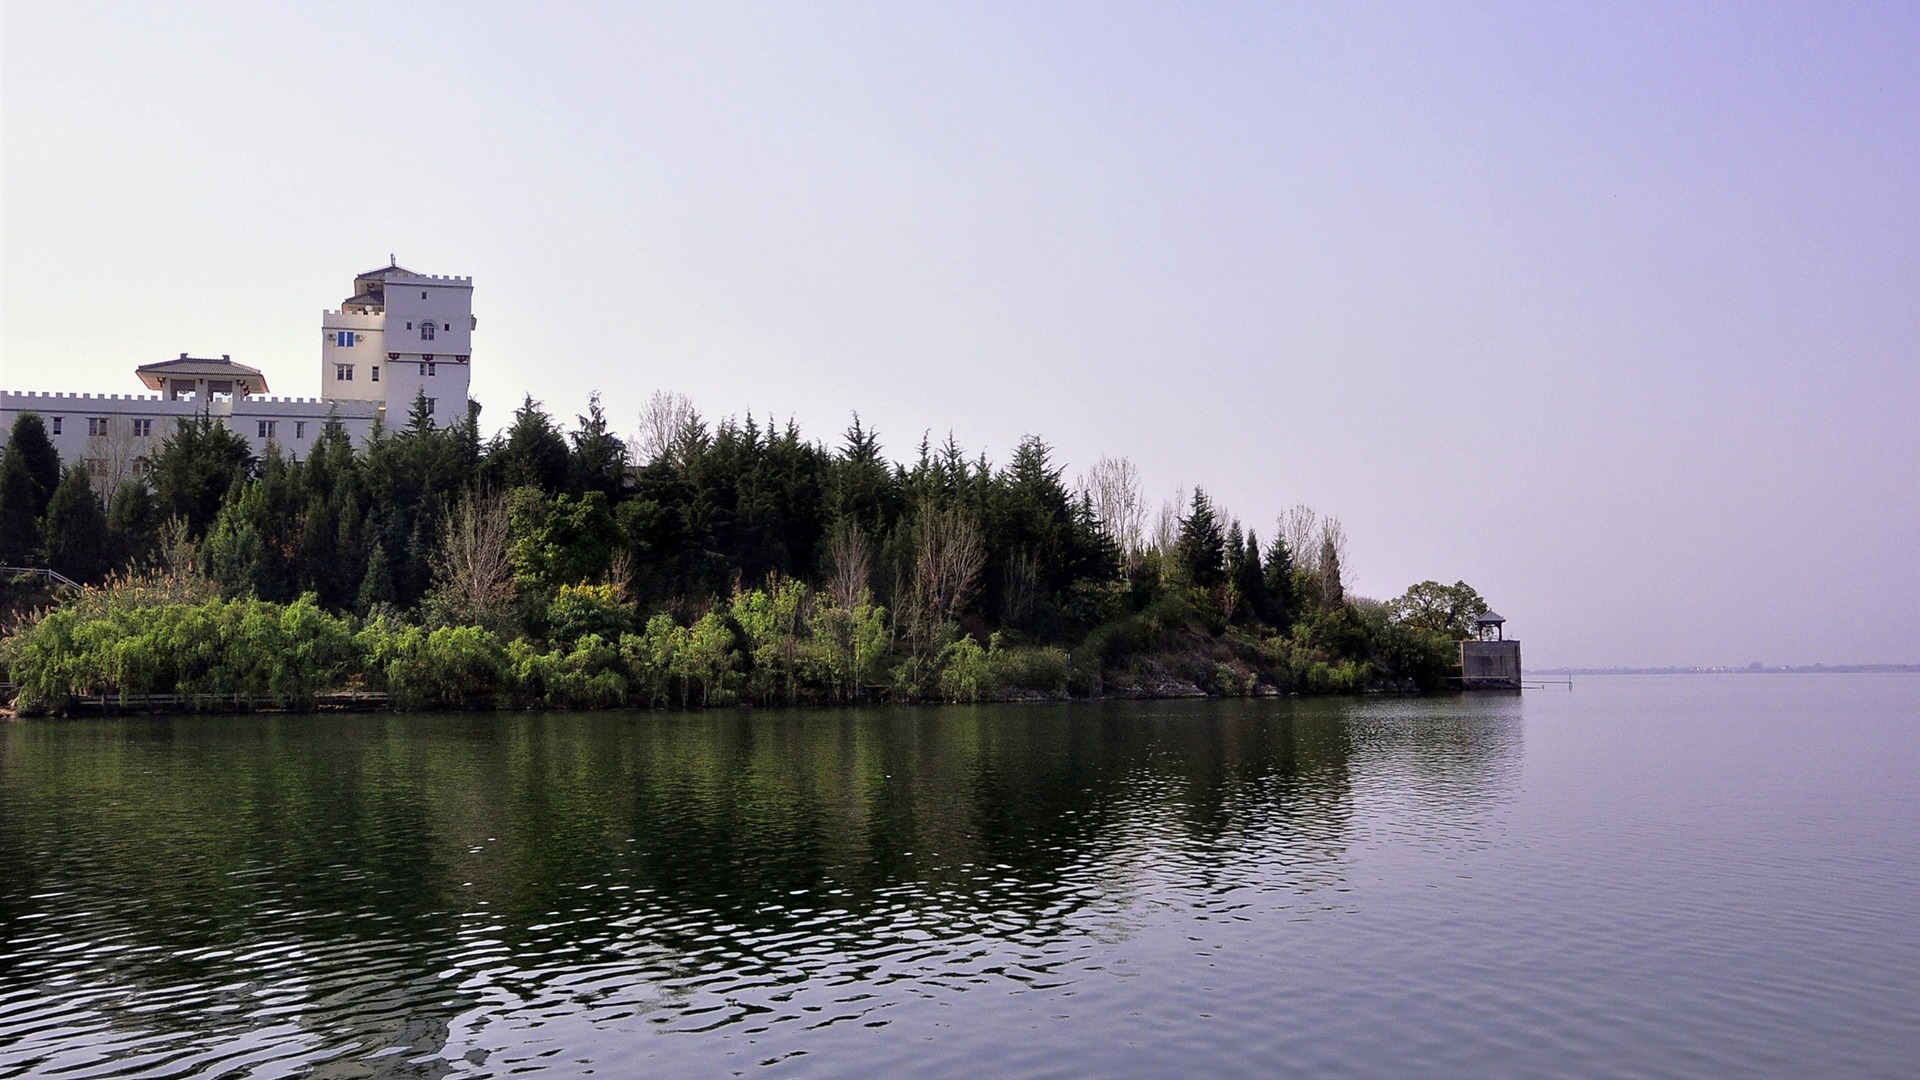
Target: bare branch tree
{"points": [[620, 573], [948, 558], [1020, 588], [1166, 525], [663, 422], [1112, 485], [1300, 529], [474, 578], [112, 456], [849, 566]]}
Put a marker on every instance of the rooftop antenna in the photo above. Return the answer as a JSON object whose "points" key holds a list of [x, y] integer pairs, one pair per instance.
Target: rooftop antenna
{"points": [[391, 261]]}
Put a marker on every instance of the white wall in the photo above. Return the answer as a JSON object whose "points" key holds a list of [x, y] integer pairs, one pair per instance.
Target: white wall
{"points": [[411, 302], [367, 355], [297, 423], [447, 386], [447, 302]]}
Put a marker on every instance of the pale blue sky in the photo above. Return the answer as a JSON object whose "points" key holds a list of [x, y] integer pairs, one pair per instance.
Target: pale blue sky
{"points": [[1611, 310]]}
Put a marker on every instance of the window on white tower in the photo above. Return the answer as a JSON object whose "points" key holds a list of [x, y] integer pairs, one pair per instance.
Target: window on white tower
{"points": [[376, 373], [345, 339], [343, 372], [96, 425], [426, 331]]}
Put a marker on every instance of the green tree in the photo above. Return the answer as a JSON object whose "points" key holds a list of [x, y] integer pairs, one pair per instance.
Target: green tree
{"points": [[559, 540], [252, 544], [1281, 595], [196, 467], [1201, 549], [76, 529], [1333, 592], [376, 585], [860, 484], [1250, 580], [580, 610], [599, 458], [534, 453], [19, 521], [30, 443], [1443, 609], [133, 523]]}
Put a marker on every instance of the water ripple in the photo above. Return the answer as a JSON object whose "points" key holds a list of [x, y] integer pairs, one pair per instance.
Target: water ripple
{"points": [[1347, 888]]}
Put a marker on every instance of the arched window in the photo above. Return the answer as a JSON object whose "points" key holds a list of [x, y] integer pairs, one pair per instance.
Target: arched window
{"points": [[426, 331]]}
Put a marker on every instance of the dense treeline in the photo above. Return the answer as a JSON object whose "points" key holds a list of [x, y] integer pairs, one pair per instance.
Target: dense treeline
{"points": [[700, 564]]}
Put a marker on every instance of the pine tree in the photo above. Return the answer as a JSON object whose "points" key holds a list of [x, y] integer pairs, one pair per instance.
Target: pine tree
{"points": [[599, 458], [376, 588], [1333, 595], [534, 454], [76, 530], [19, 522], [354, 535], [30, 442], [1278, 572], [1251, 582], [1201, 548], [133, 523], [195, 469]]}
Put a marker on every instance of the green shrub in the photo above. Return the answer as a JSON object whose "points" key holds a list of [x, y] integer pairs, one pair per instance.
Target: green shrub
{"points": [[1234, 680], [1040, 670], [588, 676], [652, 660], [133, 638], [1117, 640], [579, 610], [966, 673]]}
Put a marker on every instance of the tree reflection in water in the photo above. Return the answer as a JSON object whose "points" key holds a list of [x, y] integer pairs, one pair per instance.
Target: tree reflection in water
{"points": [[305, 889]]}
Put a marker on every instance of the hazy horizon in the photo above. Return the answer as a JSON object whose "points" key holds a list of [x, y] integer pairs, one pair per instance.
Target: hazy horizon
{"points": [[1612, 312]]}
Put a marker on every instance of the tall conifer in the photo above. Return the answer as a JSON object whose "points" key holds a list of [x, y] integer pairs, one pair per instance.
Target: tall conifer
{"points": [[19, 522], [1201, 547], [1278, 571], [133, 523], [1251, 582], [30, 443], [76, 529]]}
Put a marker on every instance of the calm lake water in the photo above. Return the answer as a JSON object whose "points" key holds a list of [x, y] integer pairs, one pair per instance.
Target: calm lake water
{"points": [[1659, 876]]}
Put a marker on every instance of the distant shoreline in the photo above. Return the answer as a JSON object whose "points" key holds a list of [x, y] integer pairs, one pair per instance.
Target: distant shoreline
{"points": [[1749, 669]]}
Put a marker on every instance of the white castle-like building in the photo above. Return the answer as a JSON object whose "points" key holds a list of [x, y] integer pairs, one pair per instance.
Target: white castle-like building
{"points": [[399, 337]]}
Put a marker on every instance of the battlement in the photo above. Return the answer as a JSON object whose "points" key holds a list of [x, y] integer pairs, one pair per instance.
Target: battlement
{"points": [[443, 279], [73, 396]]}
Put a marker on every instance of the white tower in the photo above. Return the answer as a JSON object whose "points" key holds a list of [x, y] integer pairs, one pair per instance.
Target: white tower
{"points": [[400, 335]]}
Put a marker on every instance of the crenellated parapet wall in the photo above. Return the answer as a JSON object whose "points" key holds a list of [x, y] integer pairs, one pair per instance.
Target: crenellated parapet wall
{"points": [[101, 428], [443, 279]]}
